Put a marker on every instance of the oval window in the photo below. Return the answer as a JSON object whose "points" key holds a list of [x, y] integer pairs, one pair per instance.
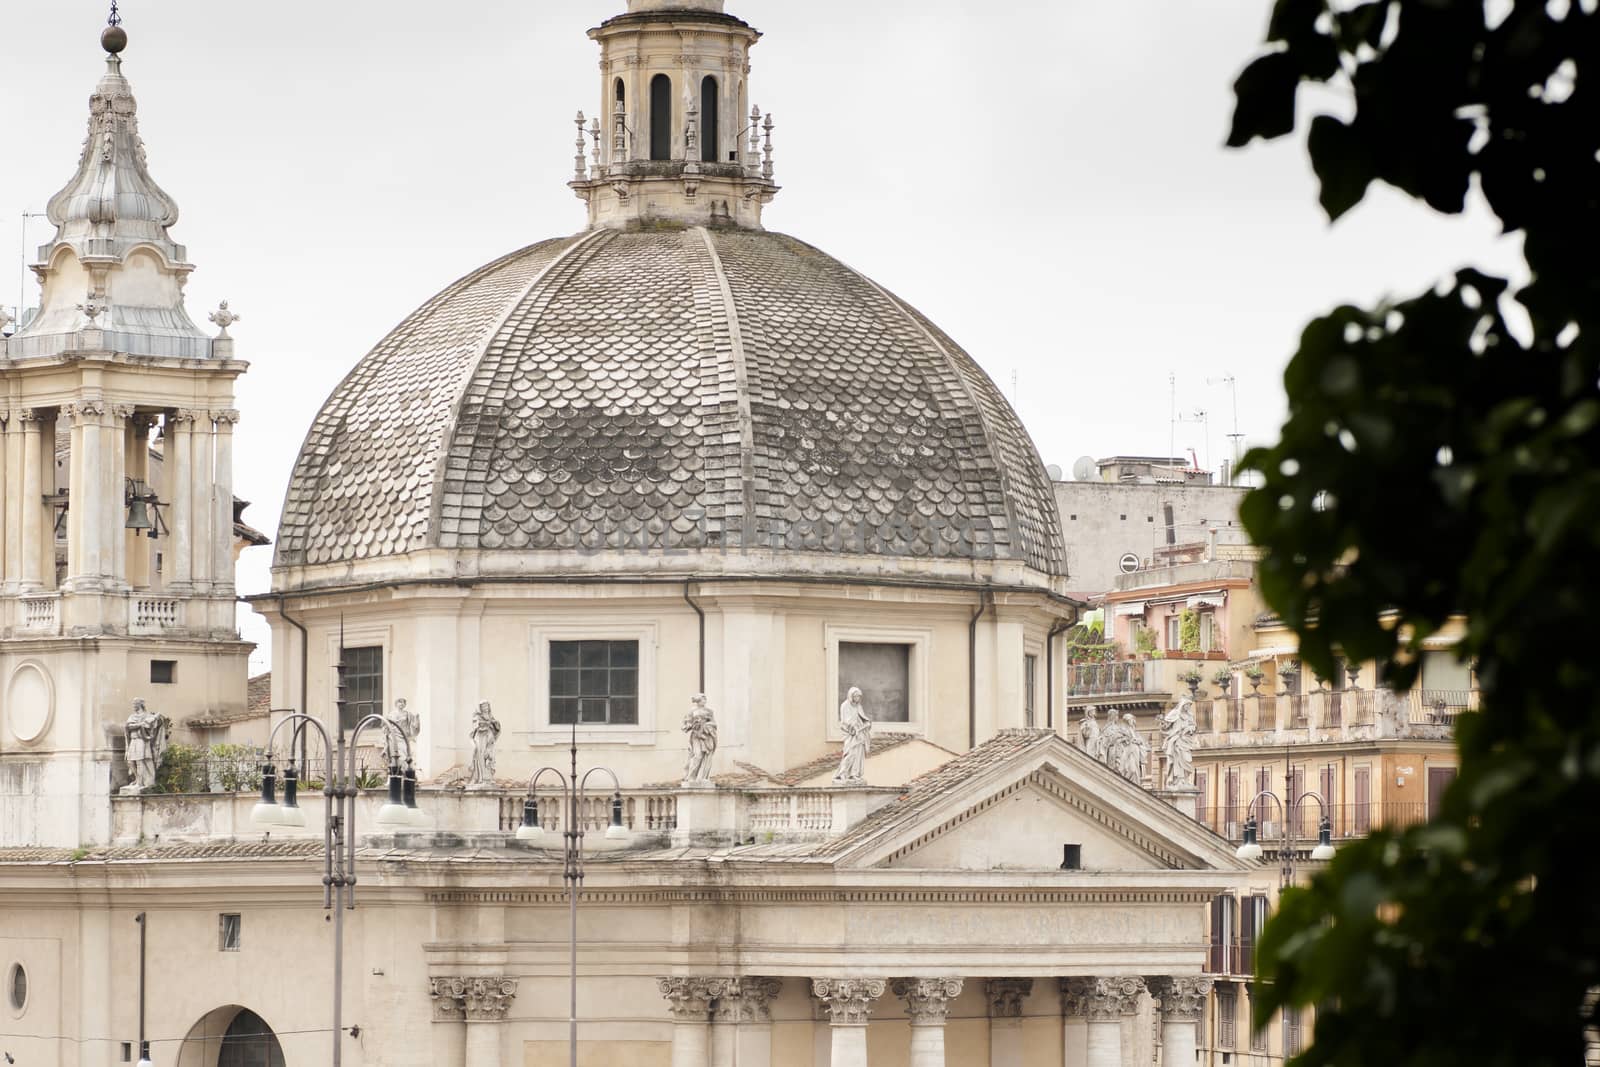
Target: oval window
{"points": [[17, 988]]}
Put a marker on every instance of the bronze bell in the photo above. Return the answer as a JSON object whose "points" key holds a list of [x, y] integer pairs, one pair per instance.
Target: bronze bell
{"points": [[138, 516]]}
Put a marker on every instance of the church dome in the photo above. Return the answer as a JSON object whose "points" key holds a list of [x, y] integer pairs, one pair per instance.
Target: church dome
{"points": [[673, 399]]}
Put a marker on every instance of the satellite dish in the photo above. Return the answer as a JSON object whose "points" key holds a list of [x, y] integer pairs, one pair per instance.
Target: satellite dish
{"points": [[1054, 471], [1129, 563], [1084, 469]]}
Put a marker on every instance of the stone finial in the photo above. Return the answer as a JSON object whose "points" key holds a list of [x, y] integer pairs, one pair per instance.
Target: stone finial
{"points": [[754, 153], [848, 1001], [1181, 998], [766, 163], [594, 136], [619, 135], [691, 134], [91, 310], [1005, 996], [222, 318], [1101, 999], [6, 319], [927, 999], [579, 167]]}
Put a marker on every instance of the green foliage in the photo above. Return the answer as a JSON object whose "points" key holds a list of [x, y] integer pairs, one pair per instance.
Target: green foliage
{"points": [[1442, 456], [1144, 643], [1222, 677], [1086, 643], [235, 768], [1192, 676], [1189, 630], [1254, 672], [181, 767]]}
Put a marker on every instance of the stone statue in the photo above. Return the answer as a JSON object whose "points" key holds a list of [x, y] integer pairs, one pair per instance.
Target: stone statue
{"points": [[1135, 752], [701, 726], [147, 743], [400, 723], [1089, 733], [485, 732], [857, 729], [1178, 744]]}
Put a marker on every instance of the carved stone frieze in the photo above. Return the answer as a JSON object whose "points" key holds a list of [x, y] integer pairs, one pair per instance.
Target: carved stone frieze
{"points": [[689, 999], [1101, 999], [1181, 998], [746, 1000], [848, 1000], [473, 998], [927, 999], [1005, 996]]}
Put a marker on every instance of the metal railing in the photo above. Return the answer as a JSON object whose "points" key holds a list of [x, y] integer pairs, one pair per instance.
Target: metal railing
{"points": [[1348, 820]]}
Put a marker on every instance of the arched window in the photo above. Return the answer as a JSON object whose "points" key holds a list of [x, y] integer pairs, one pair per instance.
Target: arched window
{"points": [[622, 94], [709, 124], [249, 1042], [661, 117]]}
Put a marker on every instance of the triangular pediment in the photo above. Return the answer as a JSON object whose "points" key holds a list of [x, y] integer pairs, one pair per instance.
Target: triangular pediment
{"points": [[1014, 802]]}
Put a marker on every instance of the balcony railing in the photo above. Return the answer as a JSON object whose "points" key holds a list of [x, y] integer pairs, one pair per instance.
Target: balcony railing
{"points": [[641, 811], [41, 614], [1105, 679], [1348, 820], [154, 614]]}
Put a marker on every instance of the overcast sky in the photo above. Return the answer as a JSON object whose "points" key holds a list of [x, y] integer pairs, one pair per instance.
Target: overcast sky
{"points": [[1046, 180]]}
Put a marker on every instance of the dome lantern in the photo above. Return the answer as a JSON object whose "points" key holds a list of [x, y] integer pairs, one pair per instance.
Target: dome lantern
{"points": [[676, 138]]}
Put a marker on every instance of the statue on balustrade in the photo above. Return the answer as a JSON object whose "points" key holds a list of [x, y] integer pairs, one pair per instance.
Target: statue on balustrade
{"points": [[399, 724], [1089, 733], [146, 734], [1178, 744], [856, 726], [1135, 752], [485, 732], [701, 726]]}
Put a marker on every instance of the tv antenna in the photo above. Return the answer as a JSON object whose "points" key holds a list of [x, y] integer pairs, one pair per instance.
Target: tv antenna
{"points": [[1236, 437]]}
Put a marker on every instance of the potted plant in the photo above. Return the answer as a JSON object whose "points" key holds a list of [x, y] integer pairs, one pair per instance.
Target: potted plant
{"points": [[1144, 642], [1289, 672], [1192, 678], [1253, 674], [1223, 679]]}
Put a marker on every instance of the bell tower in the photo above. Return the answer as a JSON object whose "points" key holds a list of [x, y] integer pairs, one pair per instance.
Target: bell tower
{"points": [[676, 138], [117, 545]]}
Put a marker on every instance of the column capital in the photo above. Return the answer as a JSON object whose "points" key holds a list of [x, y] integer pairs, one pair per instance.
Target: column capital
{"points": [[746, 1000], [1100, 999], [689, 999], [183, 416], [474, 998], [927, 999], [226, 417], [29, 416], [1005, 996], [86, 406], [142, 420], [1181, 997], [122, 411], [848, 1000]]}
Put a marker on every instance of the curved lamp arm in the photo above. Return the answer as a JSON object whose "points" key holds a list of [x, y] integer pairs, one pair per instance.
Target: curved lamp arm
{"points": [[615, 831]]}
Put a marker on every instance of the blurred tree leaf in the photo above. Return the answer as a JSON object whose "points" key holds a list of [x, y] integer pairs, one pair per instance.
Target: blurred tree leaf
{"points": [[1441, 458]]}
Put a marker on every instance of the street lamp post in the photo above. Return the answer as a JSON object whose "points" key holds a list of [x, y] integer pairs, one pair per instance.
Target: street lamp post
{"points": [[339, 792], [1250, 850], [573, 793], [144, 1045]]}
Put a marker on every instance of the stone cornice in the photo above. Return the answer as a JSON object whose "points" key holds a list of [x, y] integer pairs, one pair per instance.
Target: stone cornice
{"points": [[824, 895]]}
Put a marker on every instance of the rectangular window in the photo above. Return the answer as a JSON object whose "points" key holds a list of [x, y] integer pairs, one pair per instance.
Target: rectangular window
{"points": [[1361, 815], [1227, 1014], [883, 674], [229, 927], [1224, 933], [1174, 634], [1207, 623], [1252, 920], [1030, 671], [163, 671], [363, 678], [1291, 1032], [594, 683]]}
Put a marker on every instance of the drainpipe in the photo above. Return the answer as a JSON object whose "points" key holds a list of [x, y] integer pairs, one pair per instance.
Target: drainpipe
{"points": [[1050, 671], [698, 611], [305, 644], [972, 669]]}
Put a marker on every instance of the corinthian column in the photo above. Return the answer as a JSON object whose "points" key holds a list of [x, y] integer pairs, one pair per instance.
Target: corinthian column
{"points": [[1005, 996], [741, 1023], [849, 1004], [34, 525], [485, 1003], [176, 453], [1104, 1002], [1182, 1000], [689, 1001], [222, 535], [927, 1006]]}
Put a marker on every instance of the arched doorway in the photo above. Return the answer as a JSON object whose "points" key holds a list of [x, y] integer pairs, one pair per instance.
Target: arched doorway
{"points": [[230, 1036]]}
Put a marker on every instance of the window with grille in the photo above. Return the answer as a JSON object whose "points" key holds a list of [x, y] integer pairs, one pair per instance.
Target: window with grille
{"points": [[594, 683], [1227, 1014], [363, 678]]}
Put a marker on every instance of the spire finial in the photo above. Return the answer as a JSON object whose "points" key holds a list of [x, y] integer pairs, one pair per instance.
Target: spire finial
{"points": [[223, 318], [114, 38]]}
